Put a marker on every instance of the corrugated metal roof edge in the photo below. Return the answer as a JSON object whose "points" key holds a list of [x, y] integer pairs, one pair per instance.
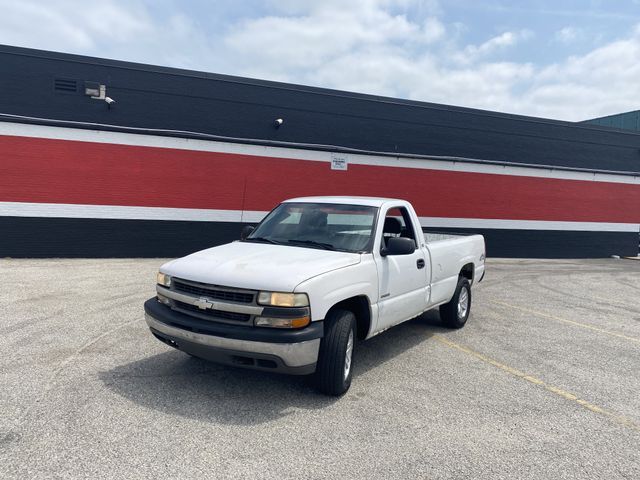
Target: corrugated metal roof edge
{"points": [[613, 115]]}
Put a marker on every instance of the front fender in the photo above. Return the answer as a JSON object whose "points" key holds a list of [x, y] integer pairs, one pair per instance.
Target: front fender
{"points": [[328, 289]]}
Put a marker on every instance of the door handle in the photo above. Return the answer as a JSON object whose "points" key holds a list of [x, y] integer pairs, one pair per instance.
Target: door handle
{"points": [[420, 263]]}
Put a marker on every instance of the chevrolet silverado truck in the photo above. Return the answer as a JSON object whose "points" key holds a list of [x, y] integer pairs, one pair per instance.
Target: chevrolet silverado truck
{"points": [[317, 274]]}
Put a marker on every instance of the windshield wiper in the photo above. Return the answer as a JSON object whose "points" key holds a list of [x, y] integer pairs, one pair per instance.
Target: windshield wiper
{"points": [[313, 243], [261, 240]]}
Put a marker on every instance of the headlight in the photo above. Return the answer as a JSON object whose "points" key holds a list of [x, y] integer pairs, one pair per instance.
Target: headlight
{"points": [[163, 279], [276, 299], [282, 322]]}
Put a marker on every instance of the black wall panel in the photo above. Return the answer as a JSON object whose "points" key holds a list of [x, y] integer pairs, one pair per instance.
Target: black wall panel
{"points": [[555, 243], [99, 238], [26, 237]]}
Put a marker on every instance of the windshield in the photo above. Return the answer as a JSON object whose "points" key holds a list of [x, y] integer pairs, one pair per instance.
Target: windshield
{"points": [[329, 226]]}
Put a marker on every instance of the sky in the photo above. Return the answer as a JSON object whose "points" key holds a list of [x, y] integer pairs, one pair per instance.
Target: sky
{"points": [[568, 60]]}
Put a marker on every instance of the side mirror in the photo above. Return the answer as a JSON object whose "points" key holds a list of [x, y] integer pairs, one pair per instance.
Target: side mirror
{"points": [[246, 231], [398, 246]]}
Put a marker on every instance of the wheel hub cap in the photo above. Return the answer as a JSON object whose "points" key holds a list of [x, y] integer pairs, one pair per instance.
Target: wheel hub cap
{"points": [[463, 303], [347, 355]]}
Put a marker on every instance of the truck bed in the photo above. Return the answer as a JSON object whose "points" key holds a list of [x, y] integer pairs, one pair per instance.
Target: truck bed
{"points": [[450, 252], [431, 237]]}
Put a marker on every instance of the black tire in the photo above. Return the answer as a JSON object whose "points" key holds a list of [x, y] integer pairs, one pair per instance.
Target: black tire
{"points": [[449, 312], [330, 370]]}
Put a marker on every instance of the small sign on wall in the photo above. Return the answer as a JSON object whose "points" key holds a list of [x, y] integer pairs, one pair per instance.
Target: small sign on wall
{"points": [[339, 161]]}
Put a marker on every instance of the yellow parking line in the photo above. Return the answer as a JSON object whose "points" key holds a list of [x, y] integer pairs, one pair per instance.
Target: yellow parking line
{"points": [[536, 381], [570, 322]]}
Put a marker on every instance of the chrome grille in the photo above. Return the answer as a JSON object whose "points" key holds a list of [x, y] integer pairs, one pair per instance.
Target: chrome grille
{"points": [[212, 291], [209, 313]]}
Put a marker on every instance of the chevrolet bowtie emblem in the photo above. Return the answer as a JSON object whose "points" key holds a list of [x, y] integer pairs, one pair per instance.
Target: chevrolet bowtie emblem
{"points": [[204, 303]]}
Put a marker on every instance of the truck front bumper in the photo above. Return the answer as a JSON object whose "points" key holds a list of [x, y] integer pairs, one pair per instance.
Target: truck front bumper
{"points": [[286, 351]]}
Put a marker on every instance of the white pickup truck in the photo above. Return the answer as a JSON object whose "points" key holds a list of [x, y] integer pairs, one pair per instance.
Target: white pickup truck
{"points": [[294, 294]]}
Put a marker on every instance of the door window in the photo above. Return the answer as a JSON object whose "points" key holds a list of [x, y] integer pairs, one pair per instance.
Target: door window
{"points": [[397, 223]]}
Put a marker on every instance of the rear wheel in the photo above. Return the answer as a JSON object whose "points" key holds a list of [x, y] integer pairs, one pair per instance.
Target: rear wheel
{"points": [[335, 359], [455, 313]]}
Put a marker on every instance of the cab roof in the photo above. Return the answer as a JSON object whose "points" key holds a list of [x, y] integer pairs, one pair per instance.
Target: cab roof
{"points": [[347, 200]]}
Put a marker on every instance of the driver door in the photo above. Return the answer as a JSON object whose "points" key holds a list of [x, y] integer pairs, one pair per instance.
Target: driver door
{"points": [[402, 279]]}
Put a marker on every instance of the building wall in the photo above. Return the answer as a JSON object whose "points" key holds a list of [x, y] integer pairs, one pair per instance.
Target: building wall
{"points": [[184, 159], [187, 101], [78, 192]]}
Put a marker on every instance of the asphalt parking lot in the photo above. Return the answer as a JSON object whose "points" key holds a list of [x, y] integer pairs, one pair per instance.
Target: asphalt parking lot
{"points": [[543, 382]]}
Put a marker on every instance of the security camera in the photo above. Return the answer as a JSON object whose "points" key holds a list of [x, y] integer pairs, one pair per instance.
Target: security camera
{"points": [[278, 122], [110, 101]]}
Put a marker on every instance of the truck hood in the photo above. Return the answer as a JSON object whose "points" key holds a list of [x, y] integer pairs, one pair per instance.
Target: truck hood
{"points": [[258, 266]]}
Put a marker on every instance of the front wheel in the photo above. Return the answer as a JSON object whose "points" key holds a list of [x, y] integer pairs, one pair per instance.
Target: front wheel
{"points": [[455, 313], [335, 359]]}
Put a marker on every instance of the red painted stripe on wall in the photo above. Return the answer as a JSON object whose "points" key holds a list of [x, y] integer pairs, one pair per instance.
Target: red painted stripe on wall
{"points": [[63, 171]]}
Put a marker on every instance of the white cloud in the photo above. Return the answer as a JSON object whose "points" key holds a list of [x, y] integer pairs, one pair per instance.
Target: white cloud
{"points": [[67, 25], [433, 30], [120, 29], [568, 34], [325, 32], [497, 44], [504, 40], [604, 81]]}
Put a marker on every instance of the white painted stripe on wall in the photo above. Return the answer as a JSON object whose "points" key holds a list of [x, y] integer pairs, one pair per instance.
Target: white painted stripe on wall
{"points": [[136, 139], [440, 222], [61, 210], [67, 210]]}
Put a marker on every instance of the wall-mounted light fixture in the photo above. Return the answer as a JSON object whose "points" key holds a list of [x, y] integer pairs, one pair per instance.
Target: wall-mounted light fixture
{"points": [[98, 91], [95, 90]]}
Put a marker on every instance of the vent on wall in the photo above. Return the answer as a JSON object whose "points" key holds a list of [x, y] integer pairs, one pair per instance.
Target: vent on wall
{"points": [[65, 85]]}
